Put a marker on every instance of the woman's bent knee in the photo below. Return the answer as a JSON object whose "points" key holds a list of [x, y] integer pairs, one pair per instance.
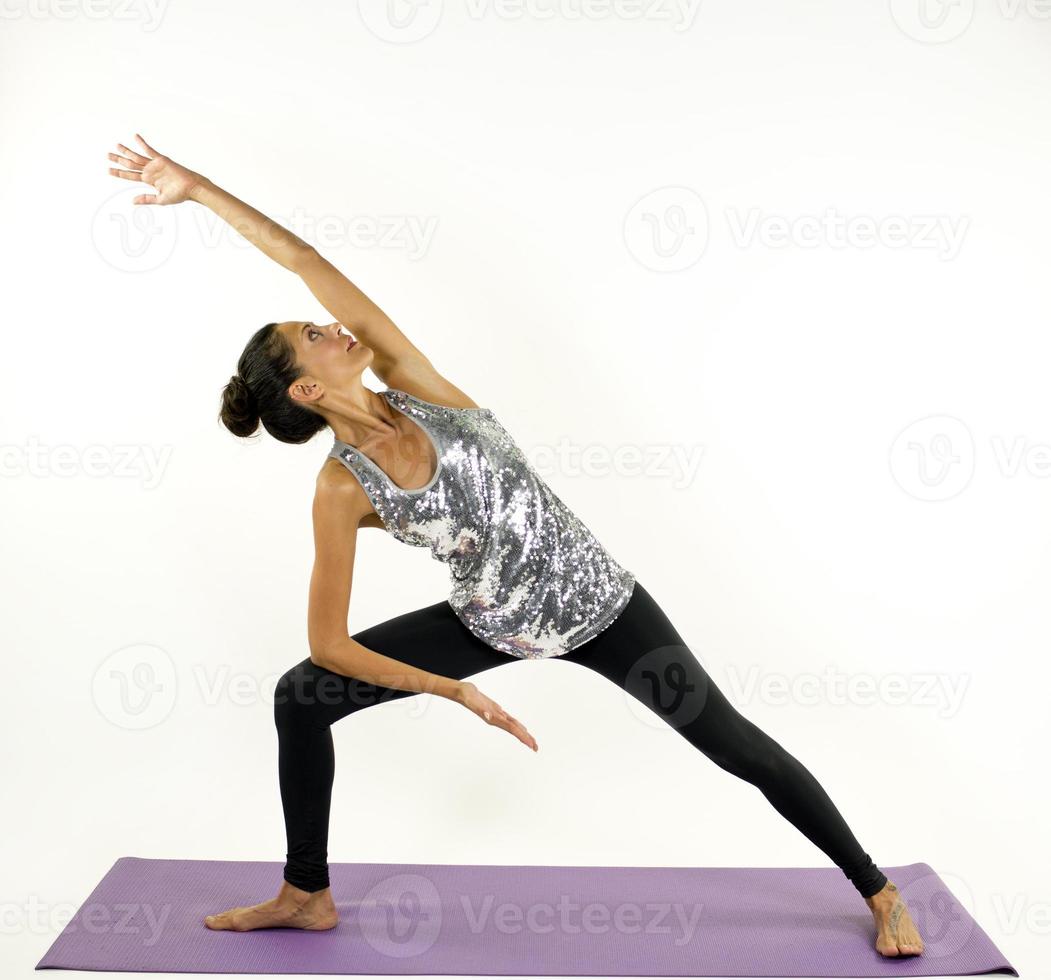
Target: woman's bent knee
{"points": [[315, 697], [294, 696]]}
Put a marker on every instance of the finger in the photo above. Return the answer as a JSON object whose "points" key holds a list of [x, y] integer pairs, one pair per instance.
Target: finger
{"points": [[117, 158], [145, 199], [510, 717], [131, 154], [528, 741], [519, 731], [514, 721], [149, 149], [126, 174]]}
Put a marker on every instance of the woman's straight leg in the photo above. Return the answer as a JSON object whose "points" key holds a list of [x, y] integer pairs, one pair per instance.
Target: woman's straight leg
{"points": [[642, 653], [309, 699]]}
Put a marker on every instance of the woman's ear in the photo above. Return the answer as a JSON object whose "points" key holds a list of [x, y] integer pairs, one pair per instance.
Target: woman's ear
{"points": [[306, 389]]}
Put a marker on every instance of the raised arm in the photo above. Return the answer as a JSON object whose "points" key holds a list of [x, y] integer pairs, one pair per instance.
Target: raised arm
{"points": [[396, 360], [392, 350]]}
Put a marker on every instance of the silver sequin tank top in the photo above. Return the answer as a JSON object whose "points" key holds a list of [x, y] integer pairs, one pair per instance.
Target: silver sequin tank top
{"points": [[528, 577]]}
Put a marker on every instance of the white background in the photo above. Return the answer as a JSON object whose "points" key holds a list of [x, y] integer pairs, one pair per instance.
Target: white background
{"points": [[620, 249]]}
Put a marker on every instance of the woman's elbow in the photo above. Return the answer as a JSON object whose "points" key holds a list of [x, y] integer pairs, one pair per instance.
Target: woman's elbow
{"points": [[302, 258], [324, 651]]}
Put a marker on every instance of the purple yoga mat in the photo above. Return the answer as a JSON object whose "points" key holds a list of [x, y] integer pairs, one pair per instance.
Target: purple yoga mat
{"points": [[521, 920]]}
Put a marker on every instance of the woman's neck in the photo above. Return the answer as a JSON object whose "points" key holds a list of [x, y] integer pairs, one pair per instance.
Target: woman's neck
{"points": [[359, 417]]}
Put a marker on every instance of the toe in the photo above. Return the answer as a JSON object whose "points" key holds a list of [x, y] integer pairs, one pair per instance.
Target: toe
{"points": [[221, 920]]}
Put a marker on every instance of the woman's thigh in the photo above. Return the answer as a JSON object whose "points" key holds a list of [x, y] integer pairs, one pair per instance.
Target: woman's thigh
{"points": [[431, 638], [643, 653]]}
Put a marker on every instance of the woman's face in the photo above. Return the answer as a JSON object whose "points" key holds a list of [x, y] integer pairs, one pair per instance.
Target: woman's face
{"points": [[329, 353]]}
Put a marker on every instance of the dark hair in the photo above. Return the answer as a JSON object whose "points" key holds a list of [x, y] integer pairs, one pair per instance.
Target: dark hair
{"points": [[259, 391]]}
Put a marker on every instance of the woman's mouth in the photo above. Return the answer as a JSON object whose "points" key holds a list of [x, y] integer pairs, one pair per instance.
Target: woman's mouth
{"points": [[351, 342]]}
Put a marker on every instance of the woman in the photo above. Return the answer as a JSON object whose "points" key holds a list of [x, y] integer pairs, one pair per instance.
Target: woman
{"points": [[529, 580]]}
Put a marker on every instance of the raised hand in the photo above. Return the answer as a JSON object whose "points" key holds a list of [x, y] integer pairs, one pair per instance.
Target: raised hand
{"points": [[172, 181], [489, 711]]}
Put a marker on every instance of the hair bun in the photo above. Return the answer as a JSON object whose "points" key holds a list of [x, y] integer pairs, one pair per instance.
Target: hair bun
{"points": [[239, 411]]}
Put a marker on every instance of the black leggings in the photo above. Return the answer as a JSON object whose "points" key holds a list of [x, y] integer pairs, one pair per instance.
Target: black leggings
{"points": [[640, 652]]}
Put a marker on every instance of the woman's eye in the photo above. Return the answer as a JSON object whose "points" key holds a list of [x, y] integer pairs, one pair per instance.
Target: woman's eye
{"points": [[311, 334]]}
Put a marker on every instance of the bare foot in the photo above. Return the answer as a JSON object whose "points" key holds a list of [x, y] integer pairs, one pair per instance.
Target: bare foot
{"points": [[897, 934], [292, 909]]}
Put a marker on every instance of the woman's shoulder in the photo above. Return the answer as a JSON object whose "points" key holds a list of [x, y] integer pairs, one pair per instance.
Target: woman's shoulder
{"points": [[337, 487], [339, 496]]}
